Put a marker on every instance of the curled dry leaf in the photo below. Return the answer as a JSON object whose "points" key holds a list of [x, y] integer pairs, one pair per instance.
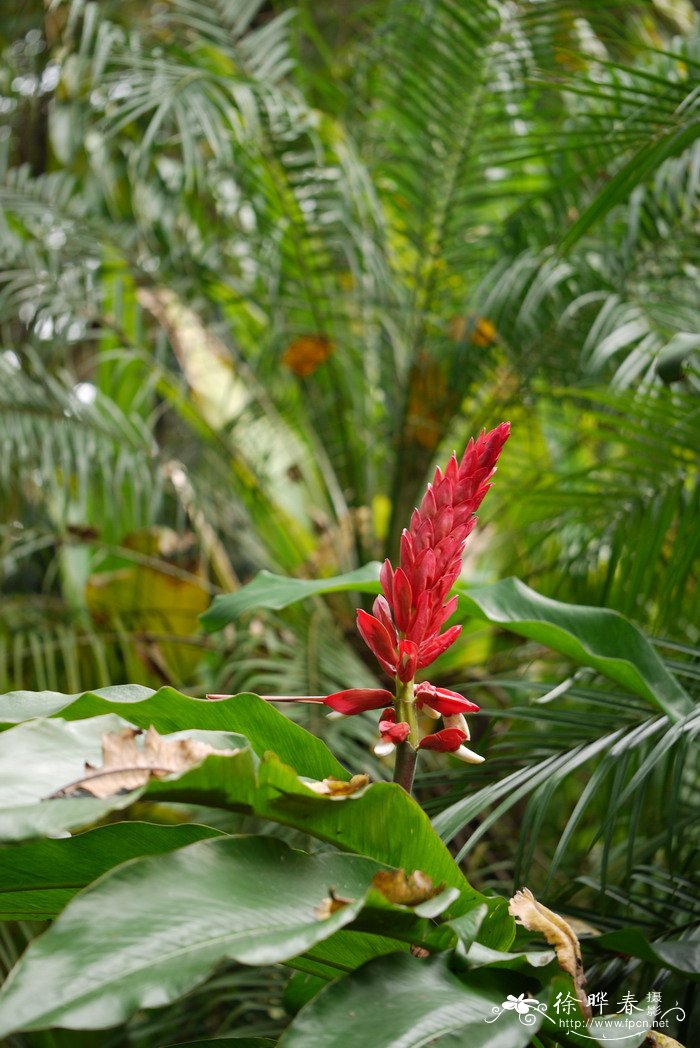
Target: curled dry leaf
{"points": [[338, 787], [655, 1039], [406, 891], [537, 918], [420, 951], [331, 904], [126, 765]]}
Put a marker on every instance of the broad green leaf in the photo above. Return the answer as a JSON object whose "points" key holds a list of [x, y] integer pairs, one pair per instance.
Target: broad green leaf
{"points": [[38, 878], [18, 706], [345, 951], [279, 591], [596, 637], [168, 710], [380, 821], [41, 757], [153, 928], [402, 1002], [680, 955]]}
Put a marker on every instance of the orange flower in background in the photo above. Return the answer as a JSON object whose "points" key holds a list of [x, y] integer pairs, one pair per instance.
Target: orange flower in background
{"points": [[478, 330], [484, 333], [305, 354]]}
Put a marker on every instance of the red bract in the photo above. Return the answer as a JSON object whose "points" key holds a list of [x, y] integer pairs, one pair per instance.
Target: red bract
{"points": [[405, 630], [446, 741], [446, 702], [389, 730], [358, 700]]}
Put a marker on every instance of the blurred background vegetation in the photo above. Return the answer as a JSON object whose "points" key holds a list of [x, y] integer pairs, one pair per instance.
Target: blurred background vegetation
{"points": [[263, 266]]}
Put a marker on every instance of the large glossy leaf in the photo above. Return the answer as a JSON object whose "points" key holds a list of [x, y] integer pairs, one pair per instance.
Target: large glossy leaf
{"points": [[384, 822], [403, 1002], [41, 757], [38, 878], [596, 637], [18, 706], [279, 591], [265, 728], [380, 821], [155, 927]]}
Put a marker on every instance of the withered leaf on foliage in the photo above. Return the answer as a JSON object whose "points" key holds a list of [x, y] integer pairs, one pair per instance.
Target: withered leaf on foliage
{"points": [[655, 1039], [126, 765], [406, 890], [339, 787], [331, 904], [537, 918]]}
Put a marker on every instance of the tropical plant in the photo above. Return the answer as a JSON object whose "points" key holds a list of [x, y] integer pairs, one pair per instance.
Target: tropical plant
{"points": [[260, 273]]}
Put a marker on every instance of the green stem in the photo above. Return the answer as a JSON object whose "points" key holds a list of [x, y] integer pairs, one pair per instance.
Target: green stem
{"points": [[406, 752]]}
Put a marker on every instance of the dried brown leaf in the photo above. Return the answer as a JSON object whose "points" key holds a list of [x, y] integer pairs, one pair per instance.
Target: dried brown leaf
{"points": [[537, 918], [339, 787], [655, 1039], [331, 904], [126, 765]]}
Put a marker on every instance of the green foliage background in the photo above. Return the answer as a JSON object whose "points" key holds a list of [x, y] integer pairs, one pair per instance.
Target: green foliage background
{"points": [[263, 267]]}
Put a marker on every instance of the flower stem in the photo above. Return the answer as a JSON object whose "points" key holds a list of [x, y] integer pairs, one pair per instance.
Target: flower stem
{"points": [[405, 766], [406, 752]]}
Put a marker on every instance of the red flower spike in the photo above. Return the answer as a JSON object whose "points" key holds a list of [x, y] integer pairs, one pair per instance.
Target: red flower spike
{"points": [[430, 652], [377, 639], [445, 741], [452, 469], [443, 614], [407, 551], [446, 702], [408, 661], [415, 605], [382, 611], [386, 578], [423, 570], [358, 700], [403, 599], [420, 618]]}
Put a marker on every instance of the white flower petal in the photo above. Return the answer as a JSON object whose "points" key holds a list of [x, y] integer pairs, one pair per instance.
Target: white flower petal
{"points": [[468, 756]]}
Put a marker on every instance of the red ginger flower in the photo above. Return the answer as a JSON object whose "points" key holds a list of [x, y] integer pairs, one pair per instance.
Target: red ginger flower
{"points": [[404, 631]]}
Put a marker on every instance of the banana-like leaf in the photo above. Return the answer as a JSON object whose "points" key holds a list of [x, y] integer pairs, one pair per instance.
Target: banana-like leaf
{"points": [[41, 757], [403, 1002], [38, 878], [168, 710], [268, 590], [155, 927]]}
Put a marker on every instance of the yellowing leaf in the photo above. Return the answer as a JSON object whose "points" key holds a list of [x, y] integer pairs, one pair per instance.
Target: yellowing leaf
{"points": [[660, 1040], [126, 765], [405, 890], [339, 787], [537, 918]]}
